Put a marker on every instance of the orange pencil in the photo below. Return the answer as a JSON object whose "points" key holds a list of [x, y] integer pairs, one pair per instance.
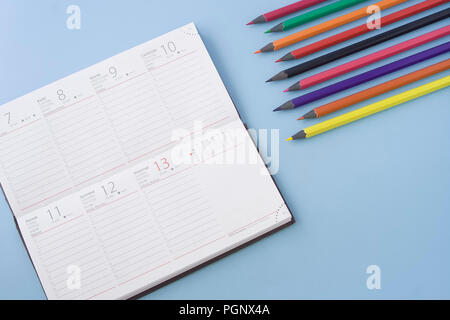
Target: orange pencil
{"points": [[328, 25], [376, 90]]}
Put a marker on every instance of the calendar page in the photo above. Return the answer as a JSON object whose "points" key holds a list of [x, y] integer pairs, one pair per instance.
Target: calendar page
{"points": [[133, 171]]}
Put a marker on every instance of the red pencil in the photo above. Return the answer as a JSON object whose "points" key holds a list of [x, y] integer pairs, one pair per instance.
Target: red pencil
{"points": [[362, 29], [272, 15]]}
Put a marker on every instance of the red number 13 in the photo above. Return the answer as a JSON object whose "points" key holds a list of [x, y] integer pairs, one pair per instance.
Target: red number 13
{"points": [[164, 164]]}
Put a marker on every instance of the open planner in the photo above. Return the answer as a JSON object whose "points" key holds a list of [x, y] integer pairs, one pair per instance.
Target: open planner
{"points": [[111, 173]]}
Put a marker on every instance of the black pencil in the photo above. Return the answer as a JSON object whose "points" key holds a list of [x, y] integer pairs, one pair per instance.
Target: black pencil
{"points": [[361, 45]]}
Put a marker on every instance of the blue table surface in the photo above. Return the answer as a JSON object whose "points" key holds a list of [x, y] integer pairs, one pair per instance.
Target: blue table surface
{"points": [[375, 192]]}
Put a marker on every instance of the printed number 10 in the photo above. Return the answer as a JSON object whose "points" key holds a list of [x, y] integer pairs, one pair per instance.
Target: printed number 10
{"points": [[170, 47]]}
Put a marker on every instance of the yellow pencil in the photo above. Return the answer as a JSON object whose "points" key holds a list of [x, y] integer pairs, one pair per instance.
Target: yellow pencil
{"points": [[371, 109]]}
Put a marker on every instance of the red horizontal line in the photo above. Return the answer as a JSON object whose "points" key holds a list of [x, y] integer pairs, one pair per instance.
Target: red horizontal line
{"points": [[118, 84], [259, 219], [34, 204], [147, 153], [98, 175], [204, 245], [107, 204], [104, 291], [165, 178], [25, 125], [58, 226], [70, 105], [142, 274], [172, 60]]}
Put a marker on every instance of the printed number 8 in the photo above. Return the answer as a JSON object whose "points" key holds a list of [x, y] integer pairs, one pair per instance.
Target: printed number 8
{"points": [[61, 95]]}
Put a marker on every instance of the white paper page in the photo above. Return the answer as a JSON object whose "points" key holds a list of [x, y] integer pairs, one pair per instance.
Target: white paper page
{"points": [[120, 176]]}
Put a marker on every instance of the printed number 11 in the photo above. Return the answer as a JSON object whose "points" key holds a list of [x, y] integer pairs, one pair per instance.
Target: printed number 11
{"points": [[49, 211]]}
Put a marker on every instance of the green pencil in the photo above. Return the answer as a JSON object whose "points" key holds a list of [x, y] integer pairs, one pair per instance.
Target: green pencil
{"points": [[313, 15]]}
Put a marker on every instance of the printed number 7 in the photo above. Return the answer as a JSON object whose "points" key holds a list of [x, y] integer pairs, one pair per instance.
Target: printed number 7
{"points": [[8, 116]]}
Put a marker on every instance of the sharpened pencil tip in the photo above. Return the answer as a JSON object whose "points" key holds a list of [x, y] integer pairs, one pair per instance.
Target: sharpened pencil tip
{"points": [[310, 114], [286, 90], [301, 118], [259, 19], [268, 31], [299, 135], [259, 51], [286, 106], [289, 139], [280, 76], [268, 47], [278, 28], [295, 87], [287, 57], [279, 60]]}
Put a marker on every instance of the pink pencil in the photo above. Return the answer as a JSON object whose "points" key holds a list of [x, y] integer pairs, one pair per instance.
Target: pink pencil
{"points": [[272, 15], [374, 57]]}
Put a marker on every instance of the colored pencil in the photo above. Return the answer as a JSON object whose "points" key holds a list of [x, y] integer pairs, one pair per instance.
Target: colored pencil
{"points": [[284, 11], [376, 90], [360, 30], [314, 14], [365, 77], [369, 59], [361, 45], [325, 26], [371, 109]]}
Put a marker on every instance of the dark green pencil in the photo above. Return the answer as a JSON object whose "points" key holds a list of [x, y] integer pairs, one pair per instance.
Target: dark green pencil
{"points": [[314, 14]]}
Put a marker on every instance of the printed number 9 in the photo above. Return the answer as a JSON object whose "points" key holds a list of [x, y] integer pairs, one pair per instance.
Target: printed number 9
{"points": [[113, 71]]}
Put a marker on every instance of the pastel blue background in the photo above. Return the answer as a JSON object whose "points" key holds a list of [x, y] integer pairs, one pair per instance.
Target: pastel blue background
{"points": [[373, 192]]}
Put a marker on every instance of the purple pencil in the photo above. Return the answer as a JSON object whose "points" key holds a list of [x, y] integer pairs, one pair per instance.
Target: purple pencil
{"points": [[365, 77]]}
